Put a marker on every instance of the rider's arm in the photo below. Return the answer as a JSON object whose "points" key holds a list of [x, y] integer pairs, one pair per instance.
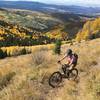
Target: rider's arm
{"points": [[71, 62], [63, 58]]}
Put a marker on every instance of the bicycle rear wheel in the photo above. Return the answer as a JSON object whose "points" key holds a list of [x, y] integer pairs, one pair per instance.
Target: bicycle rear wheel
{"points": [[73, 74], [55, 79]]}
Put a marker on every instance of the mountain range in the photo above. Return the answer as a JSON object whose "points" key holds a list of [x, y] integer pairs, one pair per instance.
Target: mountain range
{"points": [[47, 8], [32, 23]]}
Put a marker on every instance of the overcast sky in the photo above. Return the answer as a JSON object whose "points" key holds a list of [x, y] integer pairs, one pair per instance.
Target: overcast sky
{"points": [[67, 2]]}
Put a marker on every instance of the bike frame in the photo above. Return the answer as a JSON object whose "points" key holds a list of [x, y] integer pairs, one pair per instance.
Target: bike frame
{"points": [[63, 69]]}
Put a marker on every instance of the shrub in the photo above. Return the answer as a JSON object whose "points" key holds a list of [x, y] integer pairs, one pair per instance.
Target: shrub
{"points": [[23, 51], [39, 57], [3, 54], [57, 49], [4, 81]]}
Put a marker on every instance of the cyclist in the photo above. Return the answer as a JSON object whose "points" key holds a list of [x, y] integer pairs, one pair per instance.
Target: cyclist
{"points": [[71, 59]]}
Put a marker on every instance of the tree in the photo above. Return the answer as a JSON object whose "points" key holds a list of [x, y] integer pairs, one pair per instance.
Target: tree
{"points": [[57, 49], [91, 30], [3, 54]]}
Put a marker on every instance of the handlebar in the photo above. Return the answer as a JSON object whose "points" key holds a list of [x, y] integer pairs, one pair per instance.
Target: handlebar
{"points": [[59, 62]]}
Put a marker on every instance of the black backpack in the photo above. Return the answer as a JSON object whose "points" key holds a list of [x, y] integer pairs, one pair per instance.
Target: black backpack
{"points": [[76, 57]]}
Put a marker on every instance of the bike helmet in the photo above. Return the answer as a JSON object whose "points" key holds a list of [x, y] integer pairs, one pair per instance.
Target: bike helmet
{"points": [[69, 52]]}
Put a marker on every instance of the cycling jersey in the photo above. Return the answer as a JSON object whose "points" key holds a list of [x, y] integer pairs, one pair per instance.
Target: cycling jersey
{"points": [[72, 59]]}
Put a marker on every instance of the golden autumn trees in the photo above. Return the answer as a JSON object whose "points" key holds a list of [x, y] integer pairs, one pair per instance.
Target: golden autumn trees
{"points": [[90, 30], [57, 34], [11, 34], [14, 34]]}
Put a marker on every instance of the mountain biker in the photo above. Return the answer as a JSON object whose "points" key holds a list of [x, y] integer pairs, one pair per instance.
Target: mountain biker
{"points": [[71, 59]]}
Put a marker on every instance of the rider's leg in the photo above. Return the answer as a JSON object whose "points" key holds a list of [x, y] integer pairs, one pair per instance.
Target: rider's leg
{"points": [[70, 69], [65, 67], [72, 66]]}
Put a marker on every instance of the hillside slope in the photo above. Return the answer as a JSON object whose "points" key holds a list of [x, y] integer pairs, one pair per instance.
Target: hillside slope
{"points": [[32, 71], [42, 7], [91, 30], [24, 27], [30, 19]]}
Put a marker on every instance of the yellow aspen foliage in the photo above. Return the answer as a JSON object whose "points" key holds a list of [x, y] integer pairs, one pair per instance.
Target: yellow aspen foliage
{"points": [[57, 34], [78, 37], [91, 29], [2, 31], [86, 35], [1, 39]]}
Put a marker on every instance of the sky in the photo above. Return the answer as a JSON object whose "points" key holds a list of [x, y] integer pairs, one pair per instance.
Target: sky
{"points": [[67, 2]]}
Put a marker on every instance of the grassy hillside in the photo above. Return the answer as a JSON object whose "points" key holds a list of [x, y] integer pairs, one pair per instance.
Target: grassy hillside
{"points": [[13, 35], [30, 19], [26, 77], [24, 27]]}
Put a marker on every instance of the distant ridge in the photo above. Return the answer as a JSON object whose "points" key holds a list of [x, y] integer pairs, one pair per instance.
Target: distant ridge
{"points": [[37, 6]]}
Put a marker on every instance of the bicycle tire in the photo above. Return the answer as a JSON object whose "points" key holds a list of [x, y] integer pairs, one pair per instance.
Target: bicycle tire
{"points": [[55, 79], [73, 73]]}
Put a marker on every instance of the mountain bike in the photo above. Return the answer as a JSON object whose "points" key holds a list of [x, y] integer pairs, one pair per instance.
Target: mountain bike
{"points": [[57, 77]]}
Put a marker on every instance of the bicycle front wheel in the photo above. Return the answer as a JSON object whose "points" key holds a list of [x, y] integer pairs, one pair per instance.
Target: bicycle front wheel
{"points": [[55, 79]]}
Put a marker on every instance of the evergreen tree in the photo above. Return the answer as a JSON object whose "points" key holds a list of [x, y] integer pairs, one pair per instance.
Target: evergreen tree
{"points": [[57, 49], [3, 54]]}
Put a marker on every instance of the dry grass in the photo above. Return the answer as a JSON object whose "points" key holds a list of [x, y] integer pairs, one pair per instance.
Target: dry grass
{"points": [[32, 72]]}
